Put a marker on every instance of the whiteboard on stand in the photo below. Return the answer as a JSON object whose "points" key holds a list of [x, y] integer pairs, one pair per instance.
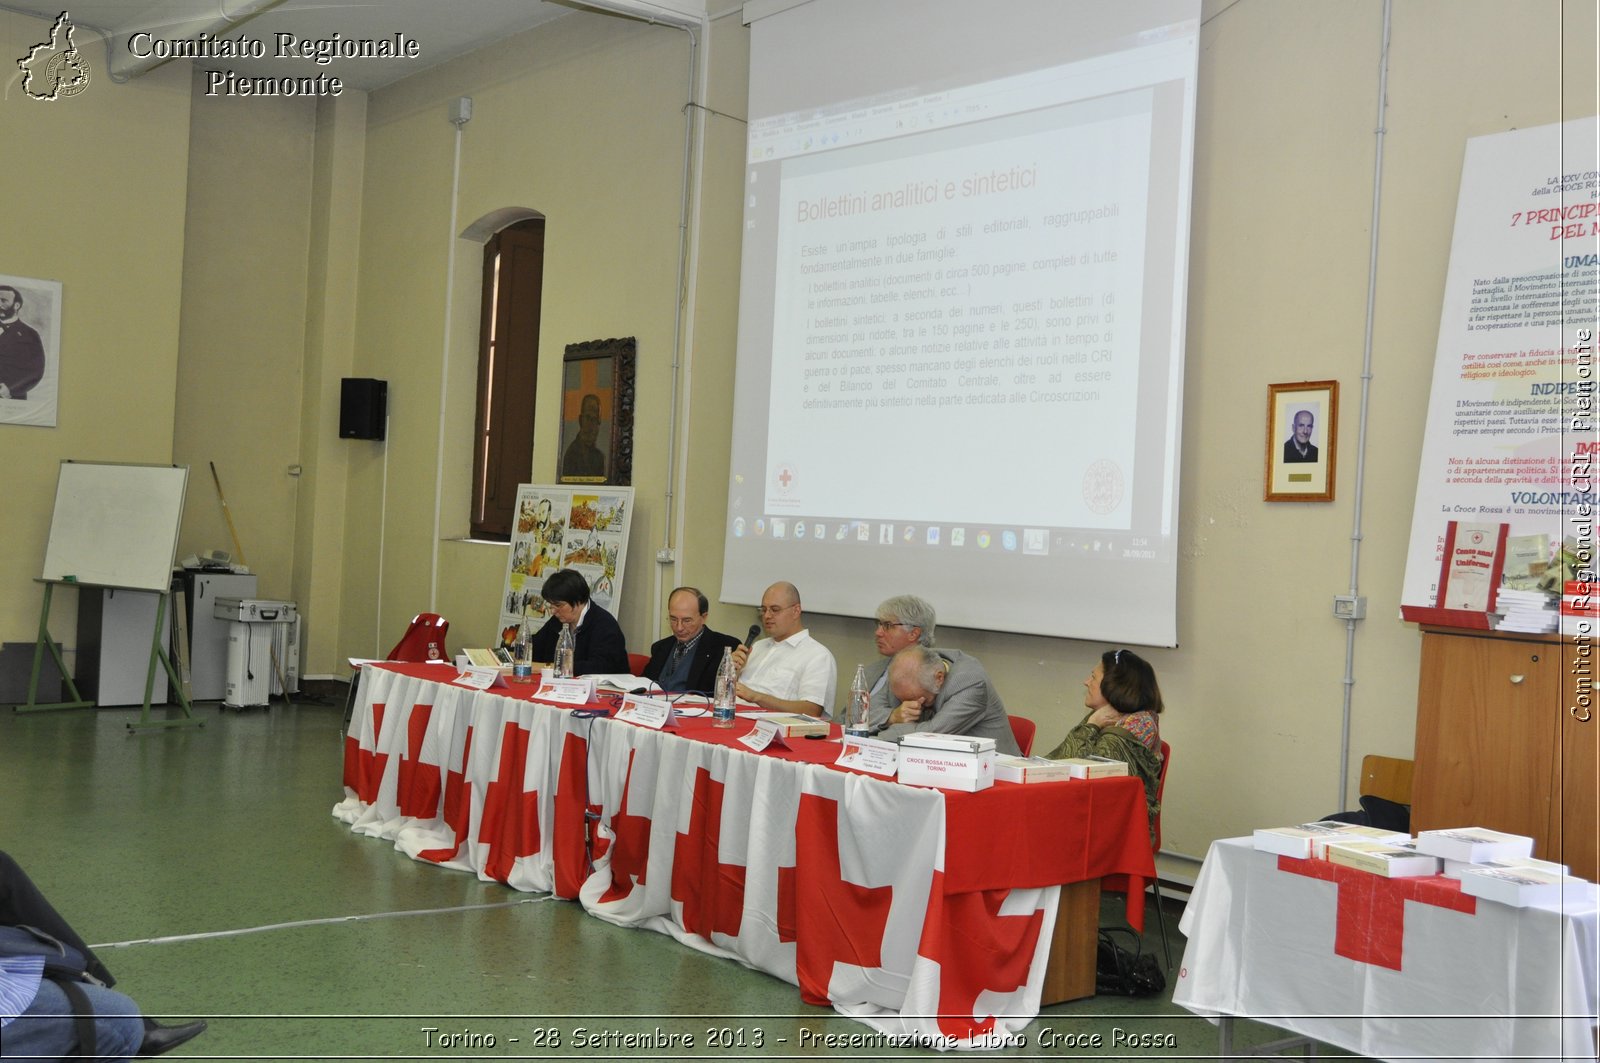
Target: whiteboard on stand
{"points": [[116, 525]]}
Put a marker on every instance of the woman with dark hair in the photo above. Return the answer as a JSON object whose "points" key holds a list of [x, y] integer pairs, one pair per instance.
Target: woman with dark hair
{"points": [[598, 646], [1124, 701]]}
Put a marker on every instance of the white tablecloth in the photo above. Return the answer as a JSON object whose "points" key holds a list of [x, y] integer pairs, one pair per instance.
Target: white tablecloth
{"points": [[1349, 959]]}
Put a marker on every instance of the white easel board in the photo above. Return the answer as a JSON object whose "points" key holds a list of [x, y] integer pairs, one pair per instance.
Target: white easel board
{"points": [[116, 525]]}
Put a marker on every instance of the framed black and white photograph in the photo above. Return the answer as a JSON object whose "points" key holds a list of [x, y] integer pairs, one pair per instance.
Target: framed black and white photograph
{"points": [[30, 350], [597, 381], [1302, 436]]}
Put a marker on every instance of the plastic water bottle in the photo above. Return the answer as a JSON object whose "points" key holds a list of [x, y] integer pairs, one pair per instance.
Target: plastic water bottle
{"points": [[858, 716], [722, 704], [566, 646], [522, 654]]}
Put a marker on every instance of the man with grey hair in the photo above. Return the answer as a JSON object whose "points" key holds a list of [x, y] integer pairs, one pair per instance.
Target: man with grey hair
{"points": [[949, 692], [904, 620]]}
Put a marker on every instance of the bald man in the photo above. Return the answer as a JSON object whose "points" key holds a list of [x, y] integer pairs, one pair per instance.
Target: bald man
{"points": [[789, 671]]}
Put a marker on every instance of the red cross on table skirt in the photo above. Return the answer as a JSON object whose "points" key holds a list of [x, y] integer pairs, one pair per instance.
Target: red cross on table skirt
{"points": [[510, 822], [978, 949], [712, 893], [1371, 921], [363, 768], [457, 806], [630, 853], [839, 921], [418, 784]]}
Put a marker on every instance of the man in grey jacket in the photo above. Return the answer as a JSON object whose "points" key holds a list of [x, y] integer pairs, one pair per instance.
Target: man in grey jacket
{"points": [[949, 692]]}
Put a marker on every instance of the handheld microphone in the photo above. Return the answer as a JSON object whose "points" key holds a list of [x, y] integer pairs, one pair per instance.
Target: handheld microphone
{"points": [[750, 636]]}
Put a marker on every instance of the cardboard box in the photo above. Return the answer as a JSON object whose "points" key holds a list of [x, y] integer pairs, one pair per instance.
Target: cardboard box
{"points": [[946, 768]]}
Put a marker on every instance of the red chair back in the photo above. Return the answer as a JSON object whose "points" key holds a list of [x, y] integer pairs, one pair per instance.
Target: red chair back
{"points": [[1022, 730], [637, 662], [423, 640], [1161, 789]]}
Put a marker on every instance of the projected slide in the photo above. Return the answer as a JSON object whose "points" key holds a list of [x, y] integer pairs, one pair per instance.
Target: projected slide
{"points": [[981, 283], [961, 323]]}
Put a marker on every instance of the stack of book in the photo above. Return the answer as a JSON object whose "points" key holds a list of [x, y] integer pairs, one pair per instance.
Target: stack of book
{"points": [[1524, 886], [792, 724], [1474, 845], [1094, 767], [1388, 859], [1030, 769], [1311, 840], [951, 762], [1529, 611]]}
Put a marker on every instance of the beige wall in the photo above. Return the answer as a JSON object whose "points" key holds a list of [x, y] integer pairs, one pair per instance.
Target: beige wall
{"points": [[581, 121], [94, 192]]}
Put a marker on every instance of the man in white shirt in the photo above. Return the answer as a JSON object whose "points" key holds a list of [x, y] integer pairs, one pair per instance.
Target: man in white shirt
{"points": [[789, 671]]}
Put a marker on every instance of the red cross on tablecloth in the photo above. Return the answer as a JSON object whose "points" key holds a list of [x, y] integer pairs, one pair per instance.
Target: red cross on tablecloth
{"points": [[840, 921], [417, 784], [510, 823], [457, 806], [1371, 921], [630, 852], [363, 768], [978, 949], [712, 893]]}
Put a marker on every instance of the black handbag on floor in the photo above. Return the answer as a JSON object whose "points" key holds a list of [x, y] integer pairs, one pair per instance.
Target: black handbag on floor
{"points": [[1124, 972]]}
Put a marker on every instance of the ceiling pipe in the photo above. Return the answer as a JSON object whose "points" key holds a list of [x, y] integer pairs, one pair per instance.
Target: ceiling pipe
{"points": [[176, 20]]}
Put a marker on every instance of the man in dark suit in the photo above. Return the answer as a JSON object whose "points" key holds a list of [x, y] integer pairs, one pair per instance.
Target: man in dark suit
{"points": [[599, 646], [688, 658], [21, 352], [1298, 448]]}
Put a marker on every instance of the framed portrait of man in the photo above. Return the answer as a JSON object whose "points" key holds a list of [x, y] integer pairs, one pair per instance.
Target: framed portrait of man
{"points": [[597, 396], [1302, 429], [30, 350]]}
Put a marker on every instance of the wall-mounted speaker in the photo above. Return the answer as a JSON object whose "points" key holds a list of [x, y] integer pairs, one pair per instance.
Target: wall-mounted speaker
{"points": [[363, 408]]}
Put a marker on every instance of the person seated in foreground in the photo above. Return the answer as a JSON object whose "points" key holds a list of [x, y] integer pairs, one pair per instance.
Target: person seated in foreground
{"points": [[688, 658], [1124, 701], [599, 646], [789, 671], [949, 692], [36, 1017], [904, 620]]}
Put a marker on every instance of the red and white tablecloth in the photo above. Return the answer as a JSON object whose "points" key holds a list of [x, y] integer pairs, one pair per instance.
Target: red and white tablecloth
{"points": [[924, 913], [1408, 968]]}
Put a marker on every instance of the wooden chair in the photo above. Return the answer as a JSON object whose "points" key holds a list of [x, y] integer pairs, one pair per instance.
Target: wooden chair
{"points": [[1386, 777], [1022, 730]]}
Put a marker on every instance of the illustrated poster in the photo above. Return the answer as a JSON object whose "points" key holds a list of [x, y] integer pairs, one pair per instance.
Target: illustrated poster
{"points": [[1510, 435], [563, 526]]}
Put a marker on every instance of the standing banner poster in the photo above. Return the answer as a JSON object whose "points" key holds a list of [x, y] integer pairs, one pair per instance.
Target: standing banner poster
{"points": [[564, 526], [1510, 436]]}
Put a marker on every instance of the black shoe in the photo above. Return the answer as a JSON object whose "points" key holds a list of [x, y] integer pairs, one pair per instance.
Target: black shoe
{"points": [[159, 1038]]}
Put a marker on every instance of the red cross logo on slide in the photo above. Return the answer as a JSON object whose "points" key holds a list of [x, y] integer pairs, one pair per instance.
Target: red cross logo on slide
{"points": [[840, 921], [712, 893], [786, 476], [1371, 923]]}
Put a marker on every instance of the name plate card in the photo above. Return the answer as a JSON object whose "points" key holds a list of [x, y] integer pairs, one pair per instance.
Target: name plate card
{"points": [[654, 713], [479, 678], [870, 755], [766, 733], [567, 691]]}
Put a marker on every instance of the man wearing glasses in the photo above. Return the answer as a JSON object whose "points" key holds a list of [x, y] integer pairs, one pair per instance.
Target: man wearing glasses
{"points": [[904, 620], [688, 658], [789, 671]]}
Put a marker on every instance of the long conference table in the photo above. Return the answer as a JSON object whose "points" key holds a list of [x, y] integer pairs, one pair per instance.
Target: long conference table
{"points": [[926, 914]]}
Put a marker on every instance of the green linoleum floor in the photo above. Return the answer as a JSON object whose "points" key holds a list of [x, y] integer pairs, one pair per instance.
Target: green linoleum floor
{"points": [[227, 828]]}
